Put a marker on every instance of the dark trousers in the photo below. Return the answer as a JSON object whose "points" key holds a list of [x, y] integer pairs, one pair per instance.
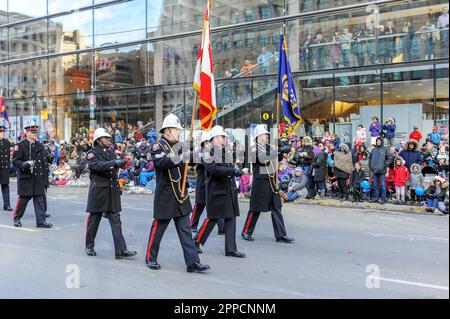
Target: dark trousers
{"points": [[39, 208], [230, 233], [93, 221], [5, 195], [279, 228], [343, 188], [184, 234], [197, 213]]}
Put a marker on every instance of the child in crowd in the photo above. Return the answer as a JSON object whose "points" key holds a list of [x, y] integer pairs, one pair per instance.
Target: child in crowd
{"points": [[298, 186], [356, 178], [416, 180], [401, 176]]}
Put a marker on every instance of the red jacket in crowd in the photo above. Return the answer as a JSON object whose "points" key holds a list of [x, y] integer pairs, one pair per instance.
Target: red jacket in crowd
{"points": [[415, 135], [401, 175]]}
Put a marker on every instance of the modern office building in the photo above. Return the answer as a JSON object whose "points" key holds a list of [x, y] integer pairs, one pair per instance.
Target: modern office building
{"points": [[66, 63]]}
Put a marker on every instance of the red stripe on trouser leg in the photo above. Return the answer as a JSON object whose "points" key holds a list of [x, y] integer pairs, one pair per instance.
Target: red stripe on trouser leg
{"points": [[250, 217], [152, 237], [202, 231], [193, 214], [17, 206], [88, 219]]}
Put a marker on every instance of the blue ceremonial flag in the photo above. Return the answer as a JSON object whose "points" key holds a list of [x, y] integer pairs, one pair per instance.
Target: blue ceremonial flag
{"points": [[286, 89]]}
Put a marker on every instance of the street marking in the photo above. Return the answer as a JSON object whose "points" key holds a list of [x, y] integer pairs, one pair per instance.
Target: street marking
{"points": [[20, 228], [409, 237], [412, 283]]}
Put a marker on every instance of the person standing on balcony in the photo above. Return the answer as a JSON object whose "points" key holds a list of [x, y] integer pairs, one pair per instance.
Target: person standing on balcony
{"points": [[306, 54], [443, 25], [264, 60], [246, 71], [346, 47], [319, 52], [335, 50], [375, 130], [391, 40]]}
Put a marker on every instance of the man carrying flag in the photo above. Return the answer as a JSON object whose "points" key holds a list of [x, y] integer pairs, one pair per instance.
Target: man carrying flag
{"points": [[286, 89]]}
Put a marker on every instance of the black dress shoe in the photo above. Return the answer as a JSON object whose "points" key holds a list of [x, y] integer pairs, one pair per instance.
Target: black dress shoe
{"points": [[44, 225], [17, 224], [247, 237], [90, 252], [199, 250], [235, 254], [285, 239], [125, 254], [153, 265], [198, 267], [8, 209]]}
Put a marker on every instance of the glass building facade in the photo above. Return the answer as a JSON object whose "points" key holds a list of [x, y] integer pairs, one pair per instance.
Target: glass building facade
{"points": [[66, 63]]}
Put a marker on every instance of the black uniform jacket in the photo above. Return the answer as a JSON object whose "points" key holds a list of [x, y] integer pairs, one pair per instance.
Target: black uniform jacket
{"points": [[264, 191], [5, 161], [31, 182], [104, 190], [200, 189], [169, 202], [221, 190]]}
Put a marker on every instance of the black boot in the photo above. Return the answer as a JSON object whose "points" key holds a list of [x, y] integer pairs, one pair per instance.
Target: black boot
{"points": [[198, 267], [125, 254]]}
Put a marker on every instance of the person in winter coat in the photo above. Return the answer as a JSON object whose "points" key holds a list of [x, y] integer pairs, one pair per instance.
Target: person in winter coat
{"points": [[411, 155], [320, 171], [298, 186], [365, 165], [304, 156], [415, 134], [435, 136], [401, 177], [443, 206], [440, 189], [379, 160], [244, 183], [442, 155], [390, 128], [343, 167], [416, 180], [375, 130], [358, 152], [356, 178], [360, 135]]}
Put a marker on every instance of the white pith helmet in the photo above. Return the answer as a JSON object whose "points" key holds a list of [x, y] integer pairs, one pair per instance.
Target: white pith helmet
{"points": [[205, 137], [99, 133], [217, 131], [260, 129], [171, 121]]}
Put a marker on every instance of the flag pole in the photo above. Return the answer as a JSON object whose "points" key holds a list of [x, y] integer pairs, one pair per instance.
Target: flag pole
{"points": [[191, 135], [277, 139]]}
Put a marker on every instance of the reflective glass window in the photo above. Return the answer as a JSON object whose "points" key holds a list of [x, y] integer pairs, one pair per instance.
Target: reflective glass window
{"points": [[71, 32], [26, 40], [121, 67], [70, 74], [3, 11], [56, 6], [119, 23], [28, 79], [26, 9]]}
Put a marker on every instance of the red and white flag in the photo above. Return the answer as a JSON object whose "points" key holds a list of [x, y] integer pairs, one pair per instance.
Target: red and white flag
{"points": [[204, 75]]}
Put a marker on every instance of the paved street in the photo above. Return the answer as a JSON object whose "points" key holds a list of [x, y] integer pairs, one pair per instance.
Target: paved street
{"points": [[329, 259]]}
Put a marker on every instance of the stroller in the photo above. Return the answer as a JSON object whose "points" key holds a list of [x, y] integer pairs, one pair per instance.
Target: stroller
{"points": [[363, 194]]}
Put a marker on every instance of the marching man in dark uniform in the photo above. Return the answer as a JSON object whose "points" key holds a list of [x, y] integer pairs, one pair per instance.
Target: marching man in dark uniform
{"points": [[221, 193], [5, 163], [30, 160], [104, 194], [200, 189], [169, 202], [265, 193]]}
